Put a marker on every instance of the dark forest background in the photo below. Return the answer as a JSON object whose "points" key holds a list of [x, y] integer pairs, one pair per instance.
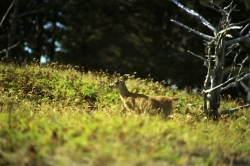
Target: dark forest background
{"points": [[125, 36]]}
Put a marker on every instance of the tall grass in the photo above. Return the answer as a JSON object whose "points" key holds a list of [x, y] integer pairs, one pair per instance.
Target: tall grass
{"points": [[57, 115]]}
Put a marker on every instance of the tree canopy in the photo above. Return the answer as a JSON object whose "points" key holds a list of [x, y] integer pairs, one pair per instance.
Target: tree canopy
{"points": [[114, 35]]}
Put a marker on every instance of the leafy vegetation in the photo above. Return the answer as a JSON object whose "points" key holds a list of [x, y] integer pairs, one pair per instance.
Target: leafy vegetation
{"points": [[56, 115]]}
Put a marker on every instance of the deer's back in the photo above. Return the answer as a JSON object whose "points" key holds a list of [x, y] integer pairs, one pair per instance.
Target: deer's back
{"points": [[151, 104]]}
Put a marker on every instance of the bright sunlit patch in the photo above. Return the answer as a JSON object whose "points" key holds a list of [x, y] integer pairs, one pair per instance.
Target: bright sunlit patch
{"points": [[43, 59], [27, 48]]}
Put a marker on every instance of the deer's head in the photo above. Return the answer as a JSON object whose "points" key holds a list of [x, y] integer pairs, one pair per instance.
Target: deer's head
{"points": [[118, 83]]}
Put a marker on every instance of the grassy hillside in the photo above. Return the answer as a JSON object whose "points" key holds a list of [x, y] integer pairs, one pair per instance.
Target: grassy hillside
{"points": [[56, 115]]}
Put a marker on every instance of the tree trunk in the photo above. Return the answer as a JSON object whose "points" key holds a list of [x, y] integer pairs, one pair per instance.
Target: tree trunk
{"points": [[217, 75], [51, 54], [38, 38], [13, 31]]}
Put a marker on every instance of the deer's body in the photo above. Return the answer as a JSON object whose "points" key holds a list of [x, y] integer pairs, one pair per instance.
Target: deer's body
{"points": [[143, 103]]}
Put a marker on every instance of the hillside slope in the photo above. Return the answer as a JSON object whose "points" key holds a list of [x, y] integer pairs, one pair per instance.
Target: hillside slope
{"points": [[56, 115]]}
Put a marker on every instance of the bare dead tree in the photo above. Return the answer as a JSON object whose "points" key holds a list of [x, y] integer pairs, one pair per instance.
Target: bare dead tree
{"points": [[225, 39]]}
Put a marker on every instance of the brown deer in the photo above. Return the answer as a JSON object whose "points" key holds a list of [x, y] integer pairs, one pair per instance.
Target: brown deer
{"points": [[143, 103]]}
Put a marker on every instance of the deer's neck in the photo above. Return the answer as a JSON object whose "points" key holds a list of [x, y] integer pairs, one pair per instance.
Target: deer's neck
{"points": [[123, 91]]}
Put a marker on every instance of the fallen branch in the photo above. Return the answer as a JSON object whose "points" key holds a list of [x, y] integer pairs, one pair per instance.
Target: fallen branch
{"points": [[234, 109]]}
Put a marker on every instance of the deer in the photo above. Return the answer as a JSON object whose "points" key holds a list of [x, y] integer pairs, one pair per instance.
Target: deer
{"points": [[141, 103]]}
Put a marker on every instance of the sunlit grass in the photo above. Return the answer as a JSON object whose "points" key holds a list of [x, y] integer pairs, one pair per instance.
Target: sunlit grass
{"points": [[56, 115]]}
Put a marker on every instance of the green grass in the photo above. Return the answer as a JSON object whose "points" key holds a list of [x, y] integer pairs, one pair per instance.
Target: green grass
{"points": [[55, 115]]}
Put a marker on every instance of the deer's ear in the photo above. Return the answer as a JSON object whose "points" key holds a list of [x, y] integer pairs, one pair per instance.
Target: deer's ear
{"points": [[125, 77]]}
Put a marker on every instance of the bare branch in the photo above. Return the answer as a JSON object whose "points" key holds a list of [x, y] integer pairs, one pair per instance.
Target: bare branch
{"points": [[212, 7], [5, 50], [244, 60], [198, 56], [230, 11], [234, 83], [232, 47], [239, 23], [225, 8], [244, 86], [207, 37], [245, 44], [229, 28], [246, 26], [237, 40], [234, 109], [193, 13], [7, 12], [223, 11], [216, 87], [234, 62], [31, 12]]}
